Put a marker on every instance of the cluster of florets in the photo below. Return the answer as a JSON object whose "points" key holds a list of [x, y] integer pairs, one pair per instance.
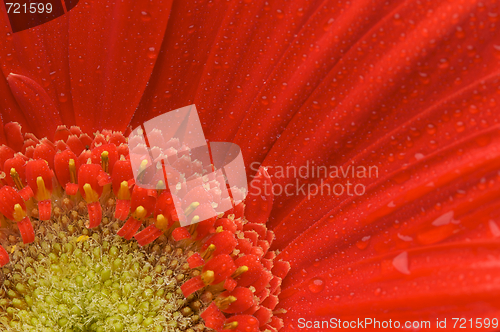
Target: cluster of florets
{"points": [[229, 257]]}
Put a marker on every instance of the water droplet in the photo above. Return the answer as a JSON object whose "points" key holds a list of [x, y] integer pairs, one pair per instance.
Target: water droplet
{"points": [[459, 126], [443, 63], [495, 230], [316, 285], [444, 219], [473, 109], [145, 16], [62, 97], [497, 51], [151, 53], [400, 263], [363, 243], [328, 24], [431, 129], [460, 33]]}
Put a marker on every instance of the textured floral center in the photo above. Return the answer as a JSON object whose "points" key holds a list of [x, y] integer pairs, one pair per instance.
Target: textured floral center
{"points": [[75, 279]]}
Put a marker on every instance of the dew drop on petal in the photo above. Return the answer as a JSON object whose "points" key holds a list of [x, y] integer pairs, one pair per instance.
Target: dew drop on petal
{"points": [[363, 243], [316, 285], [431, 129], [495, 230], [145, 16], [400, 263], [459, 126], [62, 97], [151, 53], [445, 219]]}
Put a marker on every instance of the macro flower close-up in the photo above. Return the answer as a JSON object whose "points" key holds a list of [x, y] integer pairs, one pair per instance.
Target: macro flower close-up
{"points": [[370, 136]]}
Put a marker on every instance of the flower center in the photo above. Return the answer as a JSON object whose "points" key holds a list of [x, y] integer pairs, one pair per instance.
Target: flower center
{"points": [[84, 248], [75, 279]]}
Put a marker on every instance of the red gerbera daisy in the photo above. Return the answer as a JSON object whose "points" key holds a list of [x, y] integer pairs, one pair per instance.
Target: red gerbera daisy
{"points": [[319, 93]]}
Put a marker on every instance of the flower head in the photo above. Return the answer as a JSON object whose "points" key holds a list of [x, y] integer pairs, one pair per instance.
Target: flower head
{"points": [[409, 87], [76, 270]]}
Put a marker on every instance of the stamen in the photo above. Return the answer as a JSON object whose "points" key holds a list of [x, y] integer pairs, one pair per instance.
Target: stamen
{"points": [[191, 208], [15, 177], [161, 222], [239, 271], [105, 161], [141, 173], [90, 194], [208, 277], [124, 191], [140, 212], [192, 227], [19, 213], [43, 193], [208, 252], [195, 220], [223, 303], [72, 170], [231, 326], [160, 186]]}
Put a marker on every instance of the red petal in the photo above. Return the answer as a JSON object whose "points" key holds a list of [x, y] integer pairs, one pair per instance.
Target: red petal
{"points": [[122, 209], [95, 214], [26, 230], [5, 153], [8, 199], [44, 209], [61, 166], [129, 229], [230, 284], [213, 317], [263, 315], [260, 197], [106, 75], [71, 188], [142, 197], [195, 260], [19, 164], [26, 193], [62, 133], [122, 171], [224, 242], [14, 135], [244, 300], [148, 235], [4, 256], [75, 144], [89, 173], [227, 224], [36, 104], [191, 286], [45, 151], [35, 169], [222, 266], [180, 233], [246, 323]]}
